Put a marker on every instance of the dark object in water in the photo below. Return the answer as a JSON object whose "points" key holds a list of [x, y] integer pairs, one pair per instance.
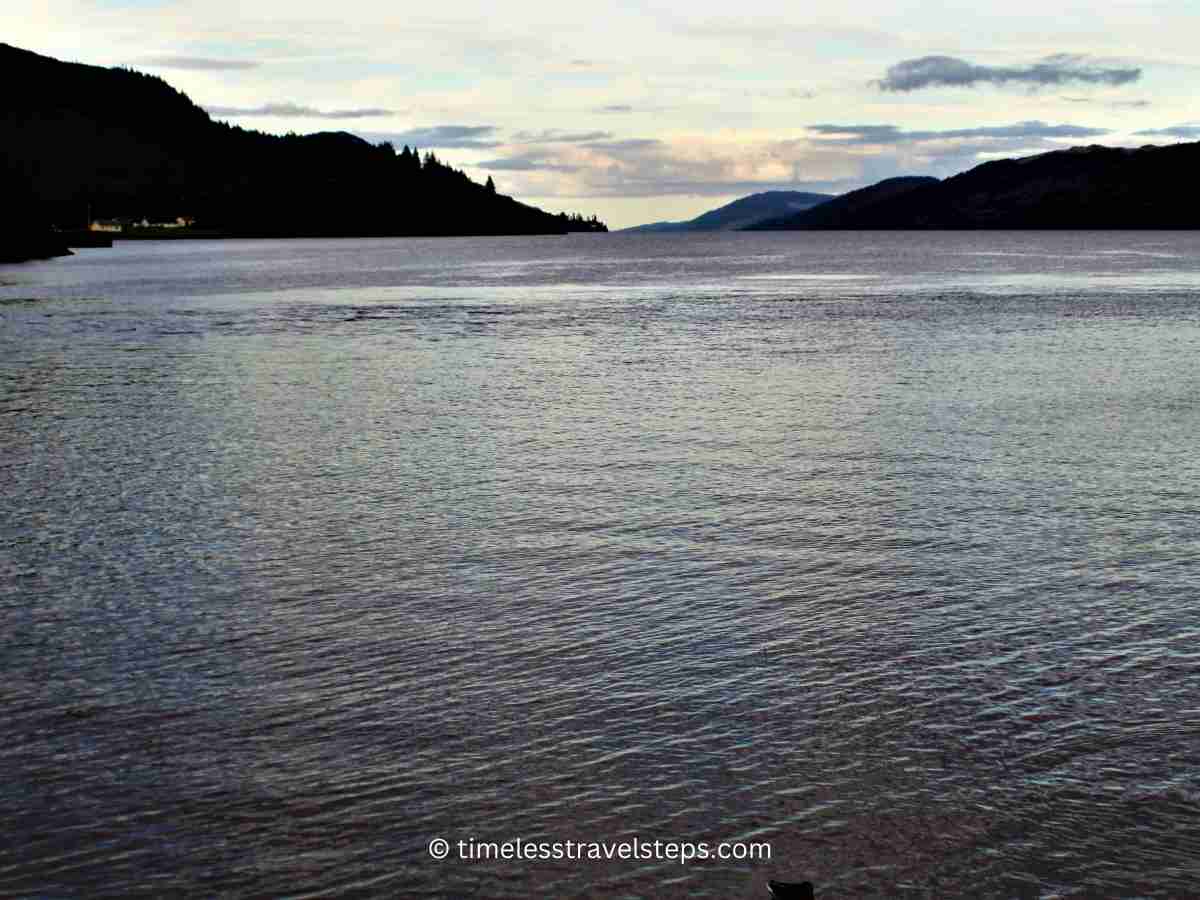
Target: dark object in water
{"points": [[783, 890]]}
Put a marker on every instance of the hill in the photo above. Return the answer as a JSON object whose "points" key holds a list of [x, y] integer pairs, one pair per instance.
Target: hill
{"points": [[24, 233], [94, 143], [1079, 188], [742, 213], [831, 213]]}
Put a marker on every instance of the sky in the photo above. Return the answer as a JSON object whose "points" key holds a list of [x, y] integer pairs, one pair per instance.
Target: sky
{"points": [[648, 111]]}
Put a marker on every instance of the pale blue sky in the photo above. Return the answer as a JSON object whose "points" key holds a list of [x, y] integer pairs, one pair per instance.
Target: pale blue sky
{"points": [[640, 111]]}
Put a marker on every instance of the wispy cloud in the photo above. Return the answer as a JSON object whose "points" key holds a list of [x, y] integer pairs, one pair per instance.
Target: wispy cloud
{"points": [[1183, 132], [196, 63], [892, 134], [948, 71], [624, 144], [1114, 104], [477, 137], [615, 108], [556, 136], [528, 162], [294, 111]]}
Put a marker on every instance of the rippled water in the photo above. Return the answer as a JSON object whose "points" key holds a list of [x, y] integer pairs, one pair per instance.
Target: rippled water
{"points": [[881, 548]]}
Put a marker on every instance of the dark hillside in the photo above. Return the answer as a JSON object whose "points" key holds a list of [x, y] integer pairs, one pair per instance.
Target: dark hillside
{"points": [[1080, 188], [24, 233], [742, 213], [97, 143], [831, 213]]}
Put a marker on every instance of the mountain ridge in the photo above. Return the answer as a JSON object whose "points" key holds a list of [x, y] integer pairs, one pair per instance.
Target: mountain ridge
{"points": [[1088, 187], [739, 213]]}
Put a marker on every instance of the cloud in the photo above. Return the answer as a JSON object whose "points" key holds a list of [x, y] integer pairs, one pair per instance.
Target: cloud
{"points": [[892, 134], [626, 144], [947, 71], [646, 167], [196, 63], [294, 111], [478, 137], [555, 136], [832, 158], [615, 108], [1189, 130], [1115, 104], [532, 162]]}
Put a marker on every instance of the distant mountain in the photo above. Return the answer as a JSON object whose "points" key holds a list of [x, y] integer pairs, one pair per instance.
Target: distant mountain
{"points": [[742, 213], [94, 143], [832, 212], [1079, 188]]}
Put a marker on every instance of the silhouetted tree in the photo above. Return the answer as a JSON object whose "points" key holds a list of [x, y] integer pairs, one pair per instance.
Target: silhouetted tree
{"points": [[410, 163]]}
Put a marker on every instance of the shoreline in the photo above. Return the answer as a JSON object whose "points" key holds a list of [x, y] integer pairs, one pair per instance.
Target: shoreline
{"points": [[218, 234], [21, 248]]}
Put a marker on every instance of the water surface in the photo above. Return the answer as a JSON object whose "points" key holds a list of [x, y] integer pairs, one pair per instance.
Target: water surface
{"points": [[877, 547]]}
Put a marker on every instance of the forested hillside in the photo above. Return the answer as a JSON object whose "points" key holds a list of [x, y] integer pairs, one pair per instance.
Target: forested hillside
{"points": [[93, 143]]}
